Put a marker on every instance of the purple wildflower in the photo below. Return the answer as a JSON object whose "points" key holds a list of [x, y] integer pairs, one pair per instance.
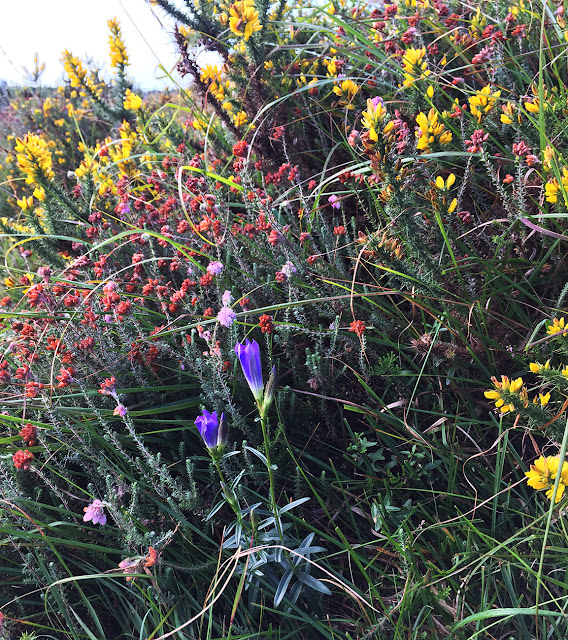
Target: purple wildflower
{"points": [[249, 357], [226, 316], [226, 299], [212, 430], [214, 268], [95, 513]]}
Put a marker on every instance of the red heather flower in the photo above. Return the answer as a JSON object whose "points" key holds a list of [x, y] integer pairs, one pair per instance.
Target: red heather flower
{"points": [[275, 237], [478, 137], [28, 433], [65, 377], [520, 149], [32, 389], [240, 148], [339, 231], [151, 558], [265, 323], [108, 387], [358, 327], [23, 459], [483, 56]]}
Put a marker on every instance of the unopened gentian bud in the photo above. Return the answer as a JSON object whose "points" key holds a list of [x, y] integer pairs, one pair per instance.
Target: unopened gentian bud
{"points": [[269, 391]]}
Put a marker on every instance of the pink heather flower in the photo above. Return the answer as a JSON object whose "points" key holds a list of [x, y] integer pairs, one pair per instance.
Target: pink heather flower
{"points": [[95, 513], [226, 316], [288, 269], [226, 299], [214, 268], [478, 137], [376, 101], [334, 202], [120, 410]]}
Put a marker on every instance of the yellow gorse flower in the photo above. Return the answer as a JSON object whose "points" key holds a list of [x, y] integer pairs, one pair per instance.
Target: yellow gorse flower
{"points": [[483, 102], [78, 78], [542, 475], [118, 55], [132, 102], [240, 118], [371, 118], [444, 186], [557, 326], [430, 131], [503, 392], [536, 367], [508, 111], [553, 187], [346, 90], [243, 19], [34, 158], [414, 66]]}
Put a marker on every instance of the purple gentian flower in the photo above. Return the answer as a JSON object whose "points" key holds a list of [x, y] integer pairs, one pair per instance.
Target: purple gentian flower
{"points": [[95, 513], [226, 316], [249, 357], [212, 430], [214, 268]]}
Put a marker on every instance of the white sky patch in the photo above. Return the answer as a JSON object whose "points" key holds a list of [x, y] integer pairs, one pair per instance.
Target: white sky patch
{"points": [[80, 26]]}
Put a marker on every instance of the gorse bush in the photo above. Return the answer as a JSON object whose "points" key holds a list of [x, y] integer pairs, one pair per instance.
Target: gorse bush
{"points": [[248, 327]]}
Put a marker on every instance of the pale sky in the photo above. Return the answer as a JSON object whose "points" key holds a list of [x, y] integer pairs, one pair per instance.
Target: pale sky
{"points": [[80, 26]]}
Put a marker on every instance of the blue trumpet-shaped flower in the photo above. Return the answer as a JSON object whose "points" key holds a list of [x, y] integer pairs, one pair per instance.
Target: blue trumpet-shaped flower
{"points": [[212, 431], [249, 357]]}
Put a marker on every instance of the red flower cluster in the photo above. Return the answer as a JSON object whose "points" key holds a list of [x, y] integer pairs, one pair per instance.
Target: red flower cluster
{"points": [[23, 459]]}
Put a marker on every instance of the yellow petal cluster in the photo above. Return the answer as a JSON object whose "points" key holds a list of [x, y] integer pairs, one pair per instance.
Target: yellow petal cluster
{"points": [[414, 66], [34, 158], [430, 131], [503, 391], [483, 102], [543, 473], [243, 19], [372, 117], [557, 326], [346, 90], [118, 55], [132, 102], [553, 187]]}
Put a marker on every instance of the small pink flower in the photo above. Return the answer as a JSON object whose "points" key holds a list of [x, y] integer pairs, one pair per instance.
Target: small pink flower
{"points": [[334, 202], [95, 513], [226, 316], [226, 299], [214, 268], [120, 410], [288, 269]]}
